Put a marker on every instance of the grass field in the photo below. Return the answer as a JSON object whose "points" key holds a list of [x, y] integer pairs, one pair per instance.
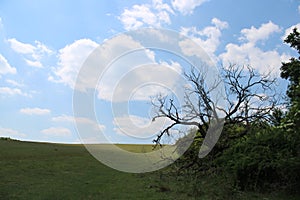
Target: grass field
{"points": [[57, 171]]}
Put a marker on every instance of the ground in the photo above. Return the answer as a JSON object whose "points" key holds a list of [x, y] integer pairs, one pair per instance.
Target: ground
{"points": [[57, 171]]}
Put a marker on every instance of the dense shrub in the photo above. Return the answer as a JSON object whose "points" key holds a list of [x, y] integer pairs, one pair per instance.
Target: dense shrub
{"points": [[265, 160]]}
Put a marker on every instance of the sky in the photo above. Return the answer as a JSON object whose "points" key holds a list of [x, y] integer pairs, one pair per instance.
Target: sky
{"points": [[44, 44]]}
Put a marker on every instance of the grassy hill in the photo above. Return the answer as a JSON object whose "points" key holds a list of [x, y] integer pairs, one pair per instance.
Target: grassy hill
{"points": [[56, 171]]}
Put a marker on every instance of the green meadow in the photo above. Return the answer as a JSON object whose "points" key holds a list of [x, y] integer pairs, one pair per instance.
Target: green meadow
{"points": [[31, 170], [58, 171]]}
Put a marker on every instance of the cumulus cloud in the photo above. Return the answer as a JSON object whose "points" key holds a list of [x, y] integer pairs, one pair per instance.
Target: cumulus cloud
{"points": [[109, 65], [208, 38], [140, 83], [13, 91], [32, 54], [80, 120], [263, 61], [153, 15], [249, 53], [253, 34], [56, 132], [7, 132], [186, 6], [5, 67], [71, 58], [35, 111]]}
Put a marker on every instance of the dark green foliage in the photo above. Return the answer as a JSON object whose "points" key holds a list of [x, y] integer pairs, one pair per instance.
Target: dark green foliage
{"points": [[291, 71], [277, 117], [267, 159], [294, 39], [7, 138]]}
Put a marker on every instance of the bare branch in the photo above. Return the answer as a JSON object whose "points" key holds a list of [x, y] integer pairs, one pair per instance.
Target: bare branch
{"points": [[250, 96]]}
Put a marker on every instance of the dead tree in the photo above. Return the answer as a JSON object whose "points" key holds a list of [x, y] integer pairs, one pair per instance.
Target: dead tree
{"points": [[249, 96]]}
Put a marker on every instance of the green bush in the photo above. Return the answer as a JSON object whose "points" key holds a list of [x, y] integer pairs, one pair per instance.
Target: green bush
{"points": [[267, 159]]}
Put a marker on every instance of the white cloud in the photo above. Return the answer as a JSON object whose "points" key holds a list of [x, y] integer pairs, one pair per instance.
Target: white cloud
{"points": [[248, 53], [208, 38], [253, 34], [153, 14], [33, 54], [186, 6], [7, 132], [14, 83], [290, 30], [36, 63], [63, 118], [139, 127], [13, 91], [20, 47], [56, 132], [140, 83], [219, 24], [107, 64], [35, 111], [5, 67], [71, 58], [80, 120]]}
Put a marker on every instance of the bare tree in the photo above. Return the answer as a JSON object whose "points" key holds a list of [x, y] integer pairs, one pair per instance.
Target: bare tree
{"points": [[249, 96]]}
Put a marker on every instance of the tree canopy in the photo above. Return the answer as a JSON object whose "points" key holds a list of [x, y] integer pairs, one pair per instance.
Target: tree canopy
{"points": [[291, 72]]}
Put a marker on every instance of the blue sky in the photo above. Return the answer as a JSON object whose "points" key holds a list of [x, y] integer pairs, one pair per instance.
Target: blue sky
{"points": [[43, 45]]}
